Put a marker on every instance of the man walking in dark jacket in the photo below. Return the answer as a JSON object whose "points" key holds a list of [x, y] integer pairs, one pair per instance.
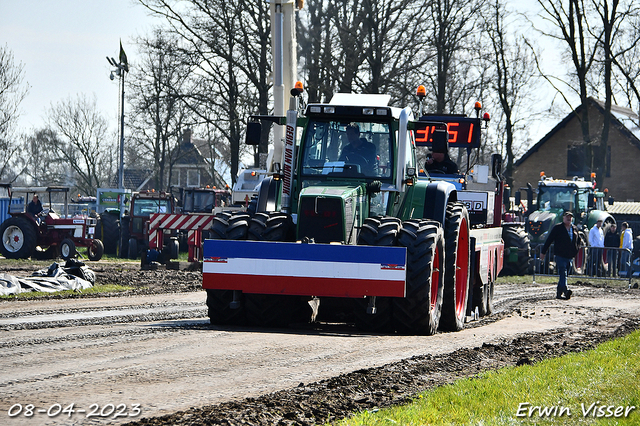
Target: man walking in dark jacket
{"points": [[566, 242]]}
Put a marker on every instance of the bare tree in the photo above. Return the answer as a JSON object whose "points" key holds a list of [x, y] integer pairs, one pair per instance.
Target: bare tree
{"points": [[363, 46], [613, 16], [159, 116], [12, 93], [314, 34], [230, 58], [83, 146], [452, 24], [626, 70], [572, 29], [514, 70], [590, 30], [40, 163], [396, 48]]}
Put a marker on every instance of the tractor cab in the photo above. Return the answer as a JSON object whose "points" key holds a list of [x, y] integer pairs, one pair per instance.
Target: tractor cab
{"points": [[204, 200], [555, 196], [134, 226]]}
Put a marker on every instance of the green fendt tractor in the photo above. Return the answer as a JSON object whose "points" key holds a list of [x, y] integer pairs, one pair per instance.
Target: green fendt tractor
{"points": [[554, 197], [345, 230]]}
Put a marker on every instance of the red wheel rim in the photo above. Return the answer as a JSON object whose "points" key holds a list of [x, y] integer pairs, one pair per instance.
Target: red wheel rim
{"points": [[462, 268]]}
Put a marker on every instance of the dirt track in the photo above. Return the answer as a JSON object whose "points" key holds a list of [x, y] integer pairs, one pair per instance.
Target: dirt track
{"points": [[154, 347]]}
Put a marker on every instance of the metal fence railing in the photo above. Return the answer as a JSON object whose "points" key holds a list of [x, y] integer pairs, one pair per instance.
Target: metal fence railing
{"points": [[603, 263]]}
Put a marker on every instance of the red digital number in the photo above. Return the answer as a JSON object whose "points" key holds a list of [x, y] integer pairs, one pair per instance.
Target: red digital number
{"points": [[453, 134], [424, 135], [460, 133]]}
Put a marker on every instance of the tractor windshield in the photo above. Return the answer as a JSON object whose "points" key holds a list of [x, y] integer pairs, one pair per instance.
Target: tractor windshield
{"points": [[199, 201], [356, 149], [145, 207], [562, 197]]}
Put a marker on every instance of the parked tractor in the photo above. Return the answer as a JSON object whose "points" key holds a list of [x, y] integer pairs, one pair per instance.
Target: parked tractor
{"points": [[554, 197], [108, 203], [50, 233], [134, 226], [353, 233]]}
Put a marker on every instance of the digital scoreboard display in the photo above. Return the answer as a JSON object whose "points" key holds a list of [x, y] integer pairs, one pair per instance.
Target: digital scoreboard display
{"points": [[464, 132]]}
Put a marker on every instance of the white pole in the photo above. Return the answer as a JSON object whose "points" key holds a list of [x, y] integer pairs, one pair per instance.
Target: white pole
{"points": [[285, 62]]}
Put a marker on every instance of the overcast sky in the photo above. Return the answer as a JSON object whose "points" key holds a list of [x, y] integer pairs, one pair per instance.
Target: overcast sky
{"points": [[63, 46]]}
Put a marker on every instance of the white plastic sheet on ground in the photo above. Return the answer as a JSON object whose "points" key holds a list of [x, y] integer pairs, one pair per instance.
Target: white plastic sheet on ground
{"points": [[72, 276]]}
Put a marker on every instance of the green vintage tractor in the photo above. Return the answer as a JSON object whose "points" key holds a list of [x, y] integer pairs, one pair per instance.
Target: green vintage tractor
{"points": [[347, 227]]}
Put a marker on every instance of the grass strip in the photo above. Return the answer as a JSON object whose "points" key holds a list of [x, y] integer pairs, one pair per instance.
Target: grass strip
{"points": [[597, 386]]}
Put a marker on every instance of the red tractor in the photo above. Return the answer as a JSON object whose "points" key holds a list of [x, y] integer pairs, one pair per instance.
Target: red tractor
{"points": [[49, 233]]}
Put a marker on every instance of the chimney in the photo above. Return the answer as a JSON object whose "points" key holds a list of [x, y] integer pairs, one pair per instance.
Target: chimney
{"points": [[186, 136]]}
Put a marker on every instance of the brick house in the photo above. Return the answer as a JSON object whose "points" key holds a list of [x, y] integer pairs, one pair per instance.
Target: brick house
{"points": [[561, 152]]}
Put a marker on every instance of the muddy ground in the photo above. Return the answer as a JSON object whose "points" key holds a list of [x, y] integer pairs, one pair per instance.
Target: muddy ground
{"points": [[588, 323]]}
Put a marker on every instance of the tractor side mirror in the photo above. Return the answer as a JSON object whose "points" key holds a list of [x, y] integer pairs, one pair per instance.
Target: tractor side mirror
{"points": [[506, 196], [518, 198], [592, 202], [254, 130]]}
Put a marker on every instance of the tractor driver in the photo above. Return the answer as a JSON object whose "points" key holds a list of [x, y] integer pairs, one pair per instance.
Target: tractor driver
{"points": [[35, 206], [439, 161], [359, 150]]}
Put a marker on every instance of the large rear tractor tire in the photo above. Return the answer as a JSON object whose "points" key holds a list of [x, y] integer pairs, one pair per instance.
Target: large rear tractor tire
{"points": [[219, 227], [219, 307], [271, 310], [19, 238], [237, 228], [515, 239], [132, 252], [227, 226], [376, 231], [257, 226], [95, 250], [123, 246], [110, 230], [456, 277], [419, 312]]}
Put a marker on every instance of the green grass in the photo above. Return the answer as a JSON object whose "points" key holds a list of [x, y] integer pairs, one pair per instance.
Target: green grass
{"points": [[544, 279], [98, 289], [608, 375]]}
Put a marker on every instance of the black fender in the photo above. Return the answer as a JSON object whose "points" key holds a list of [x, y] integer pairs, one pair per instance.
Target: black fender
{"points": [[268, 195], [437, 196]]}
